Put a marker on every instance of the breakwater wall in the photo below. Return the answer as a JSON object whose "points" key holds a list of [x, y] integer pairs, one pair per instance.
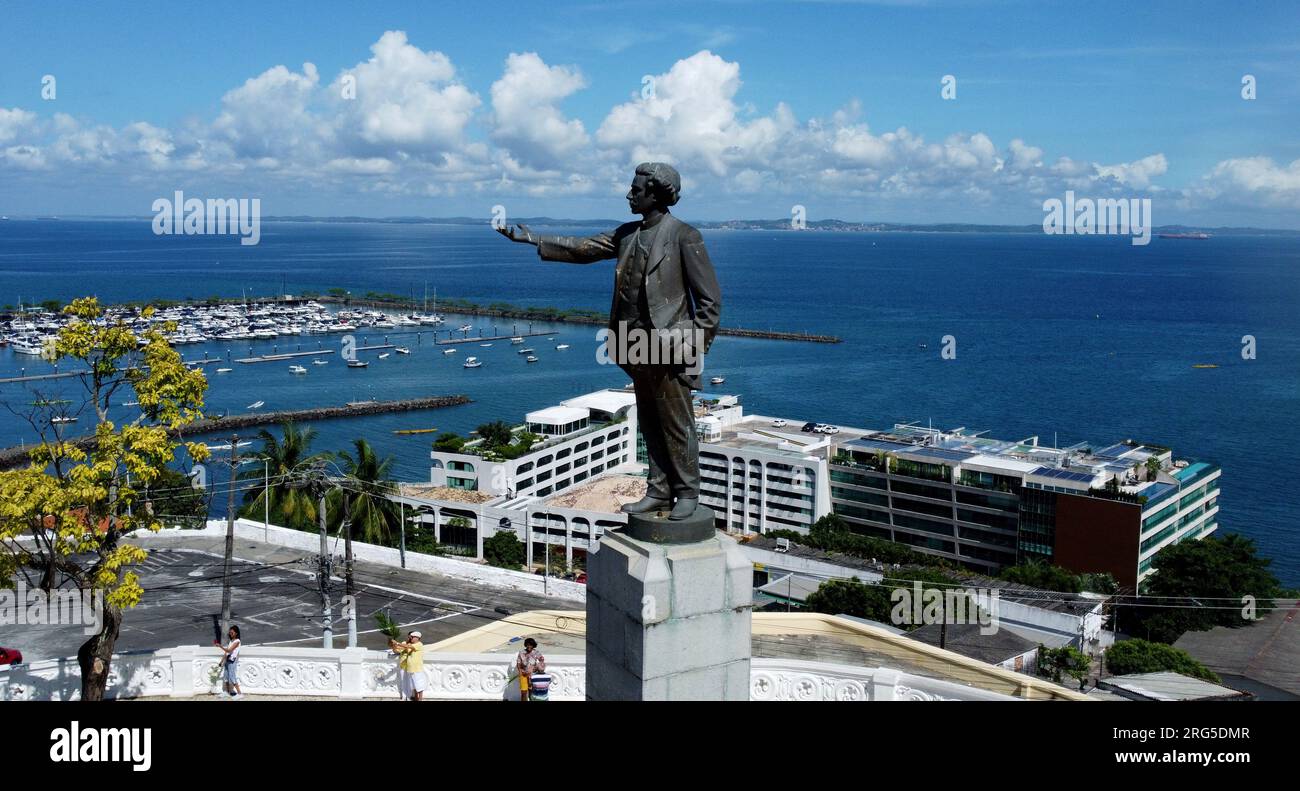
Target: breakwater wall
{"points": [[12, 457]]}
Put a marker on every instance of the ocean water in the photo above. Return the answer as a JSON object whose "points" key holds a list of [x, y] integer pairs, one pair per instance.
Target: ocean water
{"points": [[1066, 338]]}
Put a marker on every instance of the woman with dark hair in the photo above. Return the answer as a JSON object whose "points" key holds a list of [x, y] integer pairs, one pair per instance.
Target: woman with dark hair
{"points": [[230, 663], [528, 662]]}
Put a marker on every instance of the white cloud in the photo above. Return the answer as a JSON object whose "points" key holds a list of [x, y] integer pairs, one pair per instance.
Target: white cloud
{"points": [[1135, 174], [1257, 180], [406, 100], [525, 118], [14, 122], [415, 128]]}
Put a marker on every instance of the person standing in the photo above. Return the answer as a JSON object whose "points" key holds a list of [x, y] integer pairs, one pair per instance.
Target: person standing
{"points": [[411, 679], [230, 663], [528, 662]]}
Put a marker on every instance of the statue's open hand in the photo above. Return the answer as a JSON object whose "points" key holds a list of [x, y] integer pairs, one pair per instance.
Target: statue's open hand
{"points": [[518, 233]]}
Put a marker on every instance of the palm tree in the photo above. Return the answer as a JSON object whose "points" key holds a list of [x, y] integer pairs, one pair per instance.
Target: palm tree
{"points": [[373, 515], [287, 458]]}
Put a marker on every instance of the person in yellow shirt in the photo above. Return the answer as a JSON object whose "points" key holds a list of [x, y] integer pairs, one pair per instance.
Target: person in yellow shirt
{"points": [[411, 679]]}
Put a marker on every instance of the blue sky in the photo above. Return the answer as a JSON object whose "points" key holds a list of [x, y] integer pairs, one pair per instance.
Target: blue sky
{"points": [[832, 105]]}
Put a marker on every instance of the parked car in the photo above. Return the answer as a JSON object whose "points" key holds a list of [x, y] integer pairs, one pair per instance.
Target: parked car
{"points": [[11, 656], [778, 423], [832, 429], [809, 427]]}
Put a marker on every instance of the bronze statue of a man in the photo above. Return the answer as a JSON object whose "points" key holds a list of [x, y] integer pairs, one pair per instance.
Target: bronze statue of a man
{"points": [[662, 319]]}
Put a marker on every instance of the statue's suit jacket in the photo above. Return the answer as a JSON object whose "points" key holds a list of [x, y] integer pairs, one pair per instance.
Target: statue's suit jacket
{"points": [[680, 286]]}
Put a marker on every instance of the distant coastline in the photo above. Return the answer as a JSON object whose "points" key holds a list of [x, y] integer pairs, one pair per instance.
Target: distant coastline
{"points": [[831, 225]]}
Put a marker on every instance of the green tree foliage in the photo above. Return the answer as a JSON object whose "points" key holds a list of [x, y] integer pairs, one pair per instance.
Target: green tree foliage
{"points": [[1064, 662], [850, 597], [63, 517], [880, 602], [176, 501], [364, 495], [495, 434], [832, 534], [1142, 656], [1038, 574], [290, 457], [504, 550], [449, 443], [1215, 572]]}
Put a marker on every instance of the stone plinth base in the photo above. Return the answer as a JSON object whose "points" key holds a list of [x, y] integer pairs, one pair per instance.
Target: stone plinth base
{"points": [[668, 621], [656, 528]]}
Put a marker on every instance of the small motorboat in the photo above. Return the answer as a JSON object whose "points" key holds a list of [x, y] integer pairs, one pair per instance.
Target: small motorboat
{"points": [[256, 405], [717, 380], [531, 358], [527, 351], [472, 362], [448, 351], [562, 346], [517, 339], [357, 363], [297, 369], [64, 419], [224, 370], [320, 362], [402, 350], [485, 345], [384, 356]]}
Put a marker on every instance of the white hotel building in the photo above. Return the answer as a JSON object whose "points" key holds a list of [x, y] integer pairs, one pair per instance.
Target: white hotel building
{"points": [[980, 502]]}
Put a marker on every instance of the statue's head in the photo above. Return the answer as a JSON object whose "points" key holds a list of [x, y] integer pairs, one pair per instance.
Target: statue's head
{"points": [[655, 185]]}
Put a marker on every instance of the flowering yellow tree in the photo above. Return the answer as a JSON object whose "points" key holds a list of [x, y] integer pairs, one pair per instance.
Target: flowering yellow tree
{"points": [[63, 517]]}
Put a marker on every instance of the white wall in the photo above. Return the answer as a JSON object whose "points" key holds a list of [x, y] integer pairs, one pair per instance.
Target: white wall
{"points": [[387, 556]]}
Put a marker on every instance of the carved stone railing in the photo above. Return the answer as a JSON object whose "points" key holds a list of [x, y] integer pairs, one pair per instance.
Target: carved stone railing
{"points": [[190, 671]]}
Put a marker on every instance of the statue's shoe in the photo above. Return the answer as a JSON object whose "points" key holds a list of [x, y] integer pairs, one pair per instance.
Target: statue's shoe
{"points": [[683, 508], [645, 505]]}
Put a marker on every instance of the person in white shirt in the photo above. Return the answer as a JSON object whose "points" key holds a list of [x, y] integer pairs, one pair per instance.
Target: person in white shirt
{"points": [[230, 663]]}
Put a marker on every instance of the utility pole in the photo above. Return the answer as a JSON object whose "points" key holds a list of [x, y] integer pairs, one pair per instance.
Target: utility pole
{"points": [[230, 536], [943, 622], [401, 547], [323, 573], [266, 498]]}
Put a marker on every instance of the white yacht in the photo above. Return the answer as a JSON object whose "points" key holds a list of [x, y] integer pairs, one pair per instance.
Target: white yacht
{"points": [[297, 369], [256, 405], [448, 351], [472, 362], [562, 346], [402, 350], [717, 380]]}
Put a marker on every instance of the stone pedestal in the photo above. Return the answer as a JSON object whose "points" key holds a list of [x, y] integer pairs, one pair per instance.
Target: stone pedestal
{"points": [[668, 621]]}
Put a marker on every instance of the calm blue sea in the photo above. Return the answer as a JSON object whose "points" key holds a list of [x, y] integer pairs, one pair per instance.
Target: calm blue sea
{"points": [[1067, 338]]}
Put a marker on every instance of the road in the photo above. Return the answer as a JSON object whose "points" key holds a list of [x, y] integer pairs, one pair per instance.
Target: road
{"points": [[275, 601]]}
